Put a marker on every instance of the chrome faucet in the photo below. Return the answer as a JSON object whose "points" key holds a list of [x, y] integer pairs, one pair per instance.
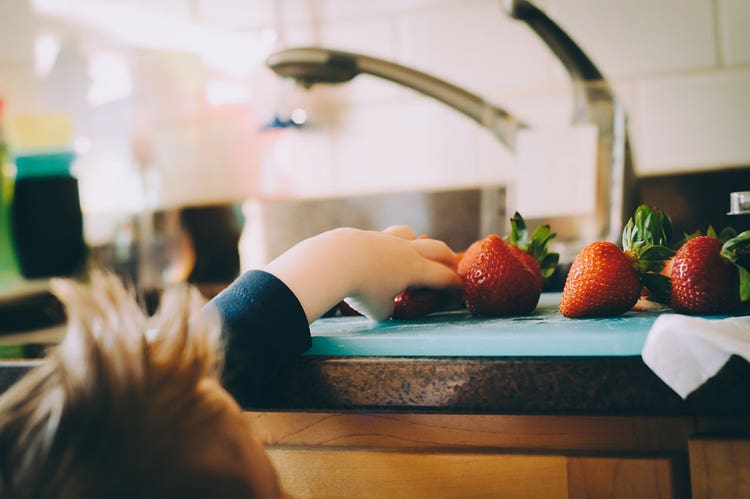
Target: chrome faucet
{"points": [[310, 65], [593, 102]]}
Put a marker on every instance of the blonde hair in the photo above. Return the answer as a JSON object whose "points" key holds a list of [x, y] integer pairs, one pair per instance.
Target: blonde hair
{"points": [[119, 409]]}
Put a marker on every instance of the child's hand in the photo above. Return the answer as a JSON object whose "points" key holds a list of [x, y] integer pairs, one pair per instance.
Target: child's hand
{"points": [[368, 267]]}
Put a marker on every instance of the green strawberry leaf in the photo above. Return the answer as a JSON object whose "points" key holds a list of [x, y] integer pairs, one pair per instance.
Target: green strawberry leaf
{"points": [[666, 228], [627, 234], [548, 264], [648, 226], [536, 245], [646, 237], [542, 235], [736, 247], [657, 253], [744, 283], [659, 287], [727, 233], [518, 232]]}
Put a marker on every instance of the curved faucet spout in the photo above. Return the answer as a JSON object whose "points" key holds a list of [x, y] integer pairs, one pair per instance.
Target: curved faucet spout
{"points": [[580, 68], [577, 63], [593, 103], [310, 65]]}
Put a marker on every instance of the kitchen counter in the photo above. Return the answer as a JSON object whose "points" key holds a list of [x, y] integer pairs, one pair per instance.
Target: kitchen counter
{"points": [[450, 362], [455, 406], [538, 406], [540, 364]]}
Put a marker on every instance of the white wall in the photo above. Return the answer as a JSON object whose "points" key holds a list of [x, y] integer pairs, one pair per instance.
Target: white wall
{"points": [[681, 67]]}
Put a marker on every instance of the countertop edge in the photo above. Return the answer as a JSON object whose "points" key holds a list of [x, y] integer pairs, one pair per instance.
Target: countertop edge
{"points": [[494, 385], [501, 385]]}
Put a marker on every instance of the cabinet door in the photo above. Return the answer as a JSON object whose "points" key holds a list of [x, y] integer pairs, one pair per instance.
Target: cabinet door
{"points": [[373, 474], [627, 477], [368, 473], [720, 468]]}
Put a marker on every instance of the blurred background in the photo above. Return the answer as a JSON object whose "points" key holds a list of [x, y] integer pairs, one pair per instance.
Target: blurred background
{"points": [[169, 108]]}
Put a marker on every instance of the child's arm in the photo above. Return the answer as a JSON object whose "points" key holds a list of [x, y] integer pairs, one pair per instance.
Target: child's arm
{"points": [[265, 313], [368, 267]]}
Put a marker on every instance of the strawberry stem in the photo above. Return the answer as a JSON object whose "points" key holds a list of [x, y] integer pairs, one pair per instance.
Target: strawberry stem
{"points": [[646, 239], [734, 250], [536, 245]]}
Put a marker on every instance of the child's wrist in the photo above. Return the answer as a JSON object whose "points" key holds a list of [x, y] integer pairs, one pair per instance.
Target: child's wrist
{"points": [[343, 250]]}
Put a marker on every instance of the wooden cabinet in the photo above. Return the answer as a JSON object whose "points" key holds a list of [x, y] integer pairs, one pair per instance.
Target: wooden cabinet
{"points": [[454, 455], [644, 477], [720, 468], [416, 474]]}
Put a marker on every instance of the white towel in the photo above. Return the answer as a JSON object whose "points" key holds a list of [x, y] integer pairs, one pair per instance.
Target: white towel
{"points": [[686, 351]]}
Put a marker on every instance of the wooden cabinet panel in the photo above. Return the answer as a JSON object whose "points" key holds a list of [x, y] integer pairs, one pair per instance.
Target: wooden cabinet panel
{"points": [[456, 455], [373, 474], [626, 478], [552, 434], [720, 468]]}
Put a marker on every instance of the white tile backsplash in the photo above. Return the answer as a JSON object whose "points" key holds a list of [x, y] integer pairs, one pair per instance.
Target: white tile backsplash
{"points": [[297, 164], [180, 9], [349, 9], [16, 37], [495, 162], [633, 37], [375, 37], [473, 45], [679, 66], [372, 37], [237, 14], [693, 122], [410, 144], [734, 35]]}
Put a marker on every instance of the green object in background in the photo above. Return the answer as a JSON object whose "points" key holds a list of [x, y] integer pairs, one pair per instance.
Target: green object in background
{"points": [[47, 165], [8, 264], [11, 352], [46, 219]]}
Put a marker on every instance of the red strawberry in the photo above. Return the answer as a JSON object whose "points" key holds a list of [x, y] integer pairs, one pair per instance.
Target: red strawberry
{"points": [[529, 261], [417, 302], [667, 270], [498, 283], [705, 279], [602, 282], [606, 281]]}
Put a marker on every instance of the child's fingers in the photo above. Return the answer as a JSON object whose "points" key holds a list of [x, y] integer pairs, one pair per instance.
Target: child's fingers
{"points": [[437, 275], [402, 231], [435, 250]]}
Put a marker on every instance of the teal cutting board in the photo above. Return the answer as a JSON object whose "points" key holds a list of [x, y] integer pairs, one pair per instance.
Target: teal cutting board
{"points": [[544, 333]]}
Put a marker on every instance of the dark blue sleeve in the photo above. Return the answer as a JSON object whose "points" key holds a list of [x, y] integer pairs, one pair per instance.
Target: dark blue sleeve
{"points": [[264, 328]]}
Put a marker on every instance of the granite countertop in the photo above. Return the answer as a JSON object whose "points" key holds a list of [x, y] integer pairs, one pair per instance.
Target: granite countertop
{"points": [[540, 364], [508, 385]]}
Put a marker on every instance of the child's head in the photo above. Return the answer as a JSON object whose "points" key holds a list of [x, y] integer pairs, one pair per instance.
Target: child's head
{"points": [[129, 406]]}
